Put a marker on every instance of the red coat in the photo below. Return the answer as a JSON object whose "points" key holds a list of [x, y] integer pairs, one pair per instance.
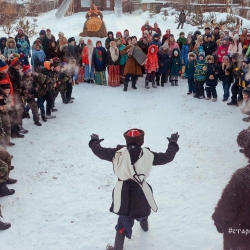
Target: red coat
{"points": [[85, 55], [222, 51], [6, 80], [152, 62]]}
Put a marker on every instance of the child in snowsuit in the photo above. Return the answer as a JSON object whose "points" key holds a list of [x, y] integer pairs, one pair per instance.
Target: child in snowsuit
{"points": [[200, 75], [189, 72], [231, 215], [151, 66], [175, 66], [163, 62], [132, 195], [226, 76], [211, 79]]}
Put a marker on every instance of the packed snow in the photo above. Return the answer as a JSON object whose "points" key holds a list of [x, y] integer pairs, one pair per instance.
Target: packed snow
{"points": [[63, 193]]}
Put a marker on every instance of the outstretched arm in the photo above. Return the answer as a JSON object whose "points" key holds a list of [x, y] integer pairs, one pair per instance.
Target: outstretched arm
{"points": [[103, 153], [168, 156]]}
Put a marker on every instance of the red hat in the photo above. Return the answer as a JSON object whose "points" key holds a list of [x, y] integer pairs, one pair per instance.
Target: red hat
{"points": [[15, 62], [26, 69], [98, 42], [134, 136], [118, 33]]}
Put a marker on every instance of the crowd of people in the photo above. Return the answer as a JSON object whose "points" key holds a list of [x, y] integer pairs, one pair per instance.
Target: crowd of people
{"points": [[32, 74]]}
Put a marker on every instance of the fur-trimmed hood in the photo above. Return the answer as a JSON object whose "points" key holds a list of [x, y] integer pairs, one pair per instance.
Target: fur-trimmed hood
{"points": [[179, 53], [206, 40], [8, 42], [155, 49], [192, 53], [210, 57]]}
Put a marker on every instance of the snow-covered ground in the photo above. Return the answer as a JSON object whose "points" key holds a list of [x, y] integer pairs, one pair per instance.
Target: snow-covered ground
{"points": [[63, 193]]}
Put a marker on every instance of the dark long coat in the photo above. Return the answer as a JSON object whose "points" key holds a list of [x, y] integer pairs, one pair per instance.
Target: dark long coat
{"points": [[133, 203], [233, 211]]}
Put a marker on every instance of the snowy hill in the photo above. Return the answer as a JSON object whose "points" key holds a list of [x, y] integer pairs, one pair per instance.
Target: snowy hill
{"points": [[63, 193]]}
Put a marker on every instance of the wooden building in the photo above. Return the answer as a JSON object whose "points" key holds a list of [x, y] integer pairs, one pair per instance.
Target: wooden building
{"points": [[83, 5]]}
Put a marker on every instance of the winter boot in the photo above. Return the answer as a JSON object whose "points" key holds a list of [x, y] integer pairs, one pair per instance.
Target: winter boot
{"points": [[208, 98], [119, 242], [201, 97], [26, 115], [214, 99], [146, 84], [158, 84], [54, 110], [172, 82], [4, 191], [232, 103], [176, 83], [144, 225], [15, 133], [162, 84], [153, 84], [12, 167], [241, 150], [72, 98], [11, 181], [70, 101], [11, 144], [22, 130], [48, 114], [44, 118], [225, 99], [125, 86], [91, 81], [133, 85], [246, 119], [4, 226], [37, 123], [76, 82]]}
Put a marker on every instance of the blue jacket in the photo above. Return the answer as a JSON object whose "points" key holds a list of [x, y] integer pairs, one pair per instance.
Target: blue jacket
{"points": [[190, 66], [184, 53], [100, 59], [200, 73], [163, 60]]}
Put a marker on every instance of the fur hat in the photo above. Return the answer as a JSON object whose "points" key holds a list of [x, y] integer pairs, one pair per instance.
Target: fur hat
{"points": [[134, 136], [71, 39], [209, 57], [42, 32], [235, 56], [3, 65], [15, 62], [243, 140], [3, 102], [192, 54], [60, 33], [26, 69], [246, 91]]}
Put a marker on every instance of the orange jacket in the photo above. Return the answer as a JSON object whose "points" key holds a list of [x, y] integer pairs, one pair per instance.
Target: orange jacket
{"points": [[152, 62], [7, 80]]}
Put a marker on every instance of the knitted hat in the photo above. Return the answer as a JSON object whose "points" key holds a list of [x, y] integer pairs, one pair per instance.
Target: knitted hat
{"points": [[181, 33], [5, 86], [26, 69], [216, 28], [3, 102], [42, 32], [71, 39], [209, 35], [15, 62], [48, 30], [156, 35], [134, 136], [118, 33], [60, 33], [19, 29], [190, 33], [202, 54], [165, 45], [89, 41], [246, 91], [226, 38], [3, 65], [226, 57], [56, 62]]}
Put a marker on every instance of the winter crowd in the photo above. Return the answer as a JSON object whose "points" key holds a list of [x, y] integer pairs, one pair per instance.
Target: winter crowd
{"points": [[34, 74]]}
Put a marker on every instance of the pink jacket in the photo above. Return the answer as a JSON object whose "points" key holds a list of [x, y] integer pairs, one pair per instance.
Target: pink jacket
{"points": [[171, 46], [222, 51]]}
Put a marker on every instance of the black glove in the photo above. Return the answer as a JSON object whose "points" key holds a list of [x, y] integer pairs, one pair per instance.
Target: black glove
{"points": [[174, 137], [96, 137]]}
